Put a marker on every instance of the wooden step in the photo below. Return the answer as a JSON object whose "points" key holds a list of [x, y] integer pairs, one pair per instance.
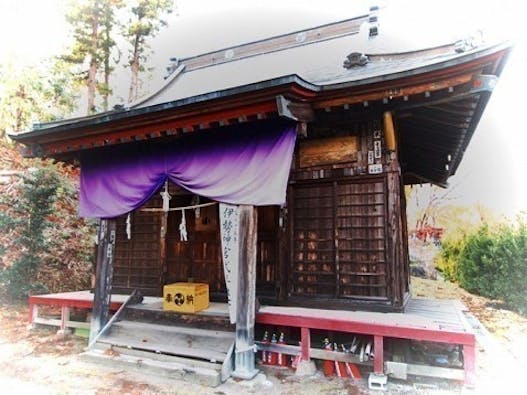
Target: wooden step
{"points": [[207, 345], [200, 372], [215, 318]]}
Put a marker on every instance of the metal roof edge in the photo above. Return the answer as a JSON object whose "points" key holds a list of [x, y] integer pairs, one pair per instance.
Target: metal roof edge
{"points": [[171, 78], [107, 117]]}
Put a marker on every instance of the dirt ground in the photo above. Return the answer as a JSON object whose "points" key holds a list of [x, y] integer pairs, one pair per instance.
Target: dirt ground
{"points": [[41, 362]]}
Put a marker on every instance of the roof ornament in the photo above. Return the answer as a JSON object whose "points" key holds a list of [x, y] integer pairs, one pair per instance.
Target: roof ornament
{"points": [[355, 59], [172, 67], [469, 43]]}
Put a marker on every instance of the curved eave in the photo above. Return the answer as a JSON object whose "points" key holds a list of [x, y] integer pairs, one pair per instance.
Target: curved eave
{"points": [[433, 146], [107, 118], [104, 119], [252, 100]]}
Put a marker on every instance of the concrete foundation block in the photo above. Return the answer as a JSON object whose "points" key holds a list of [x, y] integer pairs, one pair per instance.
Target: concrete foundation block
{"points": [[377, 381], [305, 368], [63, 333]]}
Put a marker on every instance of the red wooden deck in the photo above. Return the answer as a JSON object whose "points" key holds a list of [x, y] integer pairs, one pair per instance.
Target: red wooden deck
{"points": [[77, 299], [424, 320], [66, 301], [431, 320]]}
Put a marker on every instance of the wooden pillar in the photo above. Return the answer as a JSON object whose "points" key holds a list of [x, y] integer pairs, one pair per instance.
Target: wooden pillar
{"points": [[394, 232], [305, 336], [469, 364], [64, 319], [103, 276], [33, 315], [378, 359], [244, 343]]}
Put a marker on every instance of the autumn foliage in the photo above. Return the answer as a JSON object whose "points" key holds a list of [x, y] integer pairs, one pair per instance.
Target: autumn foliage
{"points": [[44, 247]]}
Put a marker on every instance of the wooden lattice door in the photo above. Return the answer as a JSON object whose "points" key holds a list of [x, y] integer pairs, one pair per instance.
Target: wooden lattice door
{"points": [[339, 244]]}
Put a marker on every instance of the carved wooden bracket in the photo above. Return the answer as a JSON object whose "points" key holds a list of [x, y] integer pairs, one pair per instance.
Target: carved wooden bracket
{"points": [[294, 110]]}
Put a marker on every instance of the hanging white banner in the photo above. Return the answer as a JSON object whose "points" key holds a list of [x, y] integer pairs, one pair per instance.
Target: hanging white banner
{"points": [[229, 227]]}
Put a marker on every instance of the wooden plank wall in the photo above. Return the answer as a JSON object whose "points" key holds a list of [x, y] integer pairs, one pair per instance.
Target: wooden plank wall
{"points": [[347, 237], [152, 258], [138, 261]]}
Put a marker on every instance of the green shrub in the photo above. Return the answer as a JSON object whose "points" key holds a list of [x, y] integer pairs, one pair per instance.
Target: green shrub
{"points": [[477, 266], [447, 260], [491, 263]]}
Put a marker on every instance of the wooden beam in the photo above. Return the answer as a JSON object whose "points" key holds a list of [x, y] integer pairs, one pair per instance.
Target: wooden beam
{"points": [[395, 93], [422, 143], [103, 276], [429, 128], [451, 111], [152, 127], [434, 120], [245, 315]]}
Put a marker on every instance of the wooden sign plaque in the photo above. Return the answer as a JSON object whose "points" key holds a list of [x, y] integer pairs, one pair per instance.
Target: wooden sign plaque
{"points": [[326, 151]]}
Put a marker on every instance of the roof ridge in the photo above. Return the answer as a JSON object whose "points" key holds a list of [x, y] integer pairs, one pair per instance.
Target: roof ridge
{"points": [[276, 43]]}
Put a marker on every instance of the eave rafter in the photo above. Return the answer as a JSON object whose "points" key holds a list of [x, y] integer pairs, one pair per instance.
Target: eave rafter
{"points": [[173, 122], [145, 130], [401, 92]]}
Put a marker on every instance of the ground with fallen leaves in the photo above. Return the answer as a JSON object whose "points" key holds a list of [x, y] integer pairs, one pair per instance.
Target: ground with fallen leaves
{"points": [[44, 363]]}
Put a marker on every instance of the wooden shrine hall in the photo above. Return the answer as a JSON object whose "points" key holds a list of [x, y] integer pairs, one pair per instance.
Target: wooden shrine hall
{"points": [[274, 171]]}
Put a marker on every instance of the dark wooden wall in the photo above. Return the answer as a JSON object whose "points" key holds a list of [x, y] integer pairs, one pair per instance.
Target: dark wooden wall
{"points": [[347, 220], [339, 239], [137, 262], [340, 242], [152, 258]]}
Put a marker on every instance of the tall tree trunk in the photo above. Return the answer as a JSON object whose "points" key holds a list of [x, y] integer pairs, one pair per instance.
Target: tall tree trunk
{"points": [[107, 53], [92, 72], [134, 66], [107, 71], [19, 119]]}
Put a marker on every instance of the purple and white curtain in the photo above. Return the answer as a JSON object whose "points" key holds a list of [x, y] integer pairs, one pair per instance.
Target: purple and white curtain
{"points": [[243, 164]]}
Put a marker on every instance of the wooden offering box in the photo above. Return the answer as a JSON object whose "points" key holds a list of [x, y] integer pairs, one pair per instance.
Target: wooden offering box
{"points": [[186, 297]]}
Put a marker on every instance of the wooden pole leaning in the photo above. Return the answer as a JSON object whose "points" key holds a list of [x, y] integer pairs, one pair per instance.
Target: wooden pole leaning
{"points": [[244, 365], [103, 277]]}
